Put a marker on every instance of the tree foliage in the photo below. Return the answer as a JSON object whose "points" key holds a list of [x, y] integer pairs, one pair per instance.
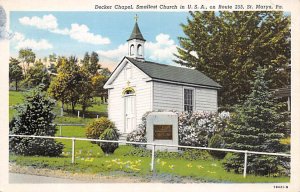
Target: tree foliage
{"points": [[91, 63], [257, 125], [36, 75], [228, 46], [34, 117], [27, 56], [15, 72], [72, 84]]}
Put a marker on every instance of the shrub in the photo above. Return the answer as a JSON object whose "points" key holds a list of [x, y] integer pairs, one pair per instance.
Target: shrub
{"points": [[195, 129], [139, 134], [187, 154], [34, 117], [97, 127], [110, 133], [217, 141]]}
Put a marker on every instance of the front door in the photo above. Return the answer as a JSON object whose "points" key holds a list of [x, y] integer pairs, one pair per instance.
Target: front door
{"points": [[129, 113]]}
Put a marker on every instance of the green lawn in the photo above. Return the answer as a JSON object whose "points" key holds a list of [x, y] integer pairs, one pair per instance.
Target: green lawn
{"points": [[91, 159]]}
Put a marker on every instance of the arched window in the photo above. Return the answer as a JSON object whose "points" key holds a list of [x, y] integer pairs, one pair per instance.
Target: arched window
{"points": [[128, 91], [131, 49], [140, 51]]}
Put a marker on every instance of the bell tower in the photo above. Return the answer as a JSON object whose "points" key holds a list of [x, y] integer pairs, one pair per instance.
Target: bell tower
{"points": [[136, 42]]}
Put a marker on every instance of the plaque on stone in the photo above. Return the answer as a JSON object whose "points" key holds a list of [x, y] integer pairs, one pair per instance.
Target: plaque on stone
{"points": [[163, 132]]}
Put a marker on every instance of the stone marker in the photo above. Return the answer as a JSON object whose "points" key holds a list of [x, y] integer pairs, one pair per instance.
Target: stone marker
{"points": [[162, 128]]}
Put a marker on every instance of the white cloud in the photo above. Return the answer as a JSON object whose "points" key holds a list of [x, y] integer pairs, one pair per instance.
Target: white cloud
{"points": [[81, 33], [115, 54], [48, 22], [22, 42], [160, 51]]}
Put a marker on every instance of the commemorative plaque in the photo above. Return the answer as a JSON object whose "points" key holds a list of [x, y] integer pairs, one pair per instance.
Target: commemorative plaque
{"points": [[163, 132]]}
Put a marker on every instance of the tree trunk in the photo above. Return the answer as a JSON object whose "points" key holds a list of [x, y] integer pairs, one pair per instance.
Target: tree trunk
{"points": [[16, 85]]}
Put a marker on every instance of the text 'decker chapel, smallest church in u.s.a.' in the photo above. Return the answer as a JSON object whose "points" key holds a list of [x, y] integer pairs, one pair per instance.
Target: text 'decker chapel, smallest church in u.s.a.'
{"points": [[137, 86]]}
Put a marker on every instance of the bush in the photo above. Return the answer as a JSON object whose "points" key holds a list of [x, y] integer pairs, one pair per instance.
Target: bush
{"points": [[217, 141], [195, 129], [187, 154], [110, 133], [139, 134], [258, 164], [97, 127], [34, 117]]}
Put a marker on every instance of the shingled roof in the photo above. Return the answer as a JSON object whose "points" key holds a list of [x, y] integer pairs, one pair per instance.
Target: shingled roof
{"points": [[175, 74], [136, 33]]}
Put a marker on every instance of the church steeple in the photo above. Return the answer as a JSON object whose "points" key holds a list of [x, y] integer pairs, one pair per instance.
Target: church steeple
{"points": [[136, 42]]}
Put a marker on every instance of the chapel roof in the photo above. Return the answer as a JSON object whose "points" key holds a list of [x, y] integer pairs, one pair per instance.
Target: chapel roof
{"points": [[136, 33], [175, 74]]}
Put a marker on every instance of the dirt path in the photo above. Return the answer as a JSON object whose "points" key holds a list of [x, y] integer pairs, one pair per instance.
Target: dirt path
{"points": [[77, 177], [55, 175]]}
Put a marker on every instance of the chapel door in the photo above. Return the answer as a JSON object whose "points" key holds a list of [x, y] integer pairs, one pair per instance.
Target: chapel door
{"points": [[129, 113]]}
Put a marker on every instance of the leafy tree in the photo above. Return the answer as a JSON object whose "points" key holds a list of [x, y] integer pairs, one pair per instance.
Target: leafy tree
{"points": [[228, 46], [98, 82], [85, 89], [94, 63], [65, 86], [91, 63], [27, 56], [15, 72], [86, 60], [34, 117], [257, 125], [105, 72], [36, 75], [53, 62]]}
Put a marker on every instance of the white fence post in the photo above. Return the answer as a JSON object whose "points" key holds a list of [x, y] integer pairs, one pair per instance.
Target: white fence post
{"points": [[61, 111], [153, 158], [245, 164], [78, 114], [73, 150]]}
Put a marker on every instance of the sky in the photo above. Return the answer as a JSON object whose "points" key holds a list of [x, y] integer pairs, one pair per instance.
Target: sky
{"points": [[74, 33]]}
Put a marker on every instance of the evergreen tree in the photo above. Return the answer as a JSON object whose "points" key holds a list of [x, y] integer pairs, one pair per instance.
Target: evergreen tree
{"points": [[257, 125], [228, 46], [34, 117]]}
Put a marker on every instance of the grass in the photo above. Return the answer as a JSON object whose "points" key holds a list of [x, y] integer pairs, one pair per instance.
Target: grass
{"points": [[90, 158]]}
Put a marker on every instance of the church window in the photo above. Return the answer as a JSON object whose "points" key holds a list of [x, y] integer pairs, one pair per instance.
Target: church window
{"points": [[131, 49], [188, 99], [128, 91], [140, 50]]}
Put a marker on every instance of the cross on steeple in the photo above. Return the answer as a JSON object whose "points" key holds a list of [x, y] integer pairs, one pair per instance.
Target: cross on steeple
{"points": [[136, 18]]}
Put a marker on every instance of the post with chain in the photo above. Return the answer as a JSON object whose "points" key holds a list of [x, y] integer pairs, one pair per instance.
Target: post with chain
{"points": [[153, 158], [73, 150], [245, 164]]}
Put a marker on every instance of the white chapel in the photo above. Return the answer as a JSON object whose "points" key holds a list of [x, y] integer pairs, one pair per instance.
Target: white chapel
{"points": [[138, 86]]}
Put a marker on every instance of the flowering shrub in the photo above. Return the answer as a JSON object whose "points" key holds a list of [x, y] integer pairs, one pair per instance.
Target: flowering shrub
{"points": [[196, 128], [139, 134]]}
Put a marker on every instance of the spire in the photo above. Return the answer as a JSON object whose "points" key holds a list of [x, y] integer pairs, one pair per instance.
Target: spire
{"points": [[136, 33]]}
